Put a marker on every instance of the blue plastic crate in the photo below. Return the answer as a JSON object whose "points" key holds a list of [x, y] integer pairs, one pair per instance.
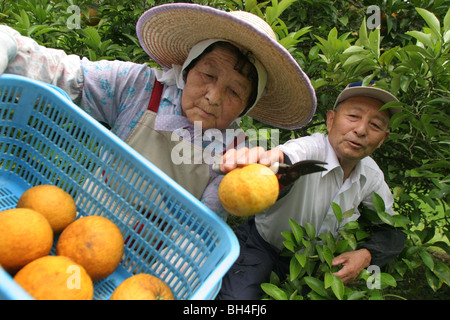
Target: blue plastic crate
{"points": [[46, 139]]}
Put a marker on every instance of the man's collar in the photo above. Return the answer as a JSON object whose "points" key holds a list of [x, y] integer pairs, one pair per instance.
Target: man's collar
{"points": [[330, 158], [358, 172]]}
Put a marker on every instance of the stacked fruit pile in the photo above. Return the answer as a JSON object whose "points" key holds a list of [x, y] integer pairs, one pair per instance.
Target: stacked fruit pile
{"points": [[87, 249]]}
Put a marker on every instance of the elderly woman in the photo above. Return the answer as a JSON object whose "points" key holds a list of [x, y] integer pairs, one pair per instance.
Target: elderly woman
{"points": [[217, 66]]}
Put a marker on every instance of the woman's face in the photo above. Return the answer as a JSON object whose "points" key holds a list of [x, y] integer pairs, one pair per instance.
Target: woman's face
{"points": [[215, 93]]}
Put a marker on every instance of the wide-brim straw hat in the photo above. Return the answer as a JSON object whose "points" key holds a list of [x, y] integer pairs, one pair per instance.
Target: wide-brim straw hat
{"points": [[168, 32]]}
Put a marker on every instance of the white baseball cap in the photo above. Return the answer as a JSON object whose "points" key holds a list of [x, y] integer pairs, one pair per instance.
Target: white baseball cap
{"points": [[356, 89]]}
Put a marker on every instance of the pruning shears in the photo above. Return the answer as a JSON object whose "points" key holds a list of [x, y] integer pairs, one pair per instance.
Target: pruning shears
{"points": [[288, 173]]}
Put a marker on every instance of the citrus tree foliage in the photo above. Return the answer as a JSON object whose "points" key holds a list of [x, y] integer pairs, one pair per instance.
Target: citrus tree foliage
{"points": [[404, 46]]}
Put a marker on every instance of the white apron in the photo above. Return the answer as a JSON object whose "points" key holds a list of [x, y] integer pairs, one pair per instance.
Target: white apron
{"points": [[157, 146]]}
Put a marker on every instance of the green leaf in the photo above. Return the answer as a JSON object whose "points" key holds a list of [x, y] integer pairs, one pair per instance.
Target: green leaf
{"points": [[330, 241], [363, 38], [341, 246], [274, 278], [431, 20], [318, 82], [343, 20], [351, 240], [447, 21], [351, 225], [310, 230], [348, 213], [317, 286], [380, 207], [443, 245], [306, 243], [433, 280], [401, 221], [417, 49], [409, 265], [388, 279], [337, 211], [301, 258], [354, 59], [375, 295], [353, 50], [427, 259], [356, 295], [421, 37], [297, 230], [319, 250], [400, 267], [92, 38], [294, 268], [328, 280], [332, 35], [386, 218], [374, 42], [397, 120], [378, 203], [273, 291], [337, 286], [289, 245], [392, 104], [295, 296], [283, 5], [447, 36], [443, 272], [327, 255], [387, 56], [288, 235]]}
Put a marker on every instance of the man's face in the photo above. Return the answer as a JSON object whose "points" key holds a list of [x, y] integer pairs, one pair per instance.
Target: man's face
{"points": [[357, 128], [215, 93]]}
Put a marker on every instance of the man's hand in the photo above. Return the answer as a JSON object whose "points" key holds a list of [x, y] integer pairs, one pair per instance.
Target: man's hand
{"points": [[353, 263], [237, 158]]}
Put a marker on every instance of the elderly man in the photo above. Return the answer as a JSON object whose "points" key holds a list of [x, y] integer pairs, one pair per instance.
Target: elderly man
{"points": [[356, 128]]}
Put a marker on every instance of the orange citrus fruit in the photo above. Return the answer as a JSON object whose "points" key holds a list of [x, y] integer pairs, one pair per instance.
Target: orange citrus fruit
{"points": [[94, 242], [55, 278], [248, 190], [25, 235], [142, 287], [52, 202]]}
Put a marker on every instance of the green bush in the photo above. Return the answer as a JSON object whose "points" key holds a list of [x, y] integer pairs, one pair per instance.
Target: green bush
{"points": [[408, 54], [311, 261]]}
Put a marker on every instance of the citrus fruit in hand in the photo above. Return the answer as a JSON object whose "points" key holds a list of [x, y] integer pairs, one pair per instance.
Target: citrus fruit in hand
{"points": [[94, 242], [52, 202], [248, 190], [55, 278], [142, 287], [25, 235]]}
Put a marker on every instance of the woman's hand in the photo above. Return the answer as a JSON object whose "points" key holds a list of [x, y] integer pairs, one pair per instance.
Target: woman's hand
{"points": [[244, 156]]}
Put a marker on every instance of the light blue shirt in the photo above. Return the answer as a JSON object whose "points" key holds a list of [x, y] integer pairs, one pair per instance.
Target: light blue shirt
{"points": [[114, 92]]}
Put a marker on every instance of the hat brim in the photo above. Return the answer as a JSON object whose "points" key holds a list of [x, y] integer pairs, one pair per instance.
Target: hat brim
{"points": [[368, 91], [168, 32]]}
